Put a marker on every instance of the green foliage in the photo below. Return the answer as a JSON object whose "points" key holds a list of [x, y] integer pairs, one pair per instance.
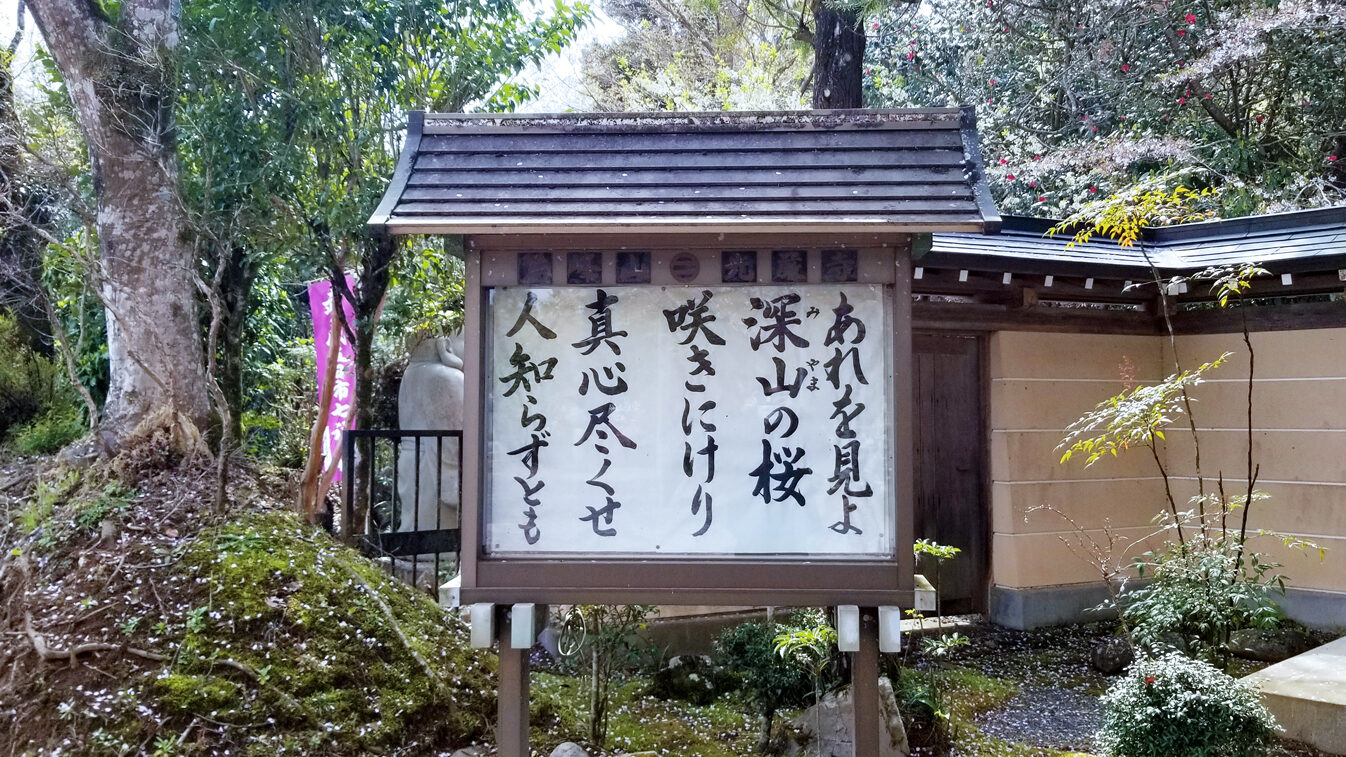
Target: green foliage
{"points": [[38, 411], [427, 293], [290, 115], [639, 723], [945, 645], [113, 499], [1178, 707], [1230, 282], [281, 405], [1135, 418], [610, 643], [60, 425], [694, 55], [1082, 100], [809, 645], [766, 682], [1201, 591], [940, 552]]}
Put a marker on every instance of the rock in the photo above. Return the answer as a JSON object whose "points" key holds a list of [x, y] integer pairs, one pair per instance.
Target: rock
{"points": [[1269, 645], [834, 719], [1111, 656], [569, 749], [430, 397], [687, 678]]}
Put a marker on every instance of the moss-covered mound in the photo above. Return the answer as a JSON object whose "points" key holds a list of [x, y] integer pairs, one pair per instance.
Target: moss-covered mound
{"points": [[194, 632]]}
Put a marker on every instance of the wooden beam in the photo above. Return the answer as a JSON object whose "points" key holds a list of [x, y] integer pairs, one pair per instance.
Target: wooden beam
{"points": [[983, 317], [980, 317], [1291, 317]]}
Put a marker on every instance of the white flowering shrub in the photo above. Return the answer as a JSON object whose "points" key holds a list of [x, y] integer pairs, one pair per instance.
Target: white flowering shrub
{"points": [[1178, 707]]}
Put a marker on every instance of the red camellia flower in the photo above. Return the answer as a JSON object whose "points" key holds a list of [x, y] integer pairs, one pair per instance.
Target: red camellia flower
{"points": [[1009, 177], [1331, 158], [876, 24], [1093, 190], [993, 82], [1042, 199], [1149, 680], [1191, 18], [1182, 101], [1182, 32], [1003, 161], [1125, 67]]}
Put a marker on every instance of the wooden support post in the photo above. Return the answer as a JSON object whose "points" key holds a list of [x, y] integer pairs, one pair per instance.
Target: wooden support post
{"points": [[865, 685], [512, 711]]}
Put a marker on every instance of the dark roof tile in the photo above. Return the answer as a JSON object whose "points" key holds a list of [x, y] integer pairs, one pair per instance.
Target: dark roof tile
{"points": [[863, 170]]}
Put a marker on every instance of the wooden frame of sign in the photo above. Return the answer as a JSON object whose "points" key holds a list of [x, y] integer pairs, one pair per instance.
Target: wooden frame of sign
{"points": [[494, 567]]}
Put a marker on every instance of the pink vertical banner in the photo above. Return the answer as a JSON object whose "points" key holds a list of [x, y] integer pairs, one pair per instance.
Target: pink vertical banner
{"points": [[340, 413]]}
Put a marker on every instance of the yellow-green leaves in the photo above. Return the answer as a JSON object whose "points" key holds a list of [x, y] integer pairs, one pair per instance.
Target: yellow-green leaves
{"points": [[1136, 417]]}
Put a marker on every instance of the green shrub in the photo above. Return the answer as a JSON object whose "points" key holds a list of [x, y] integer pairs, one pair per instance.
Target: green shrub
{"points": [[28, 379], [280, 406], [61, 424], [1200, 593], [765, 681], [1178, 707]]}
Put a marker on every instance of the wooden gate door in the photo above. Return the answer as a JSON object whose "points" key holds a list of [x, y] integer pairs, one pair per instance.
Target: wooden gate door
{"points": [[950, 445]]}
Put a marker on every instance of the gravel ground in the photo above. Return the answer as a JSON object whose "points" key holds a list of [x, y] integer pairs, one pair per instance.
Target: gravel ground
{"points": [[1046, 716]]}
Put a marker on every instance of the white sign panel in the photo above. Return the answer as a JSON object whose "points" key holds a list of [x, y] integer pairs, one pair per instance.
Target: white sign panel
{"points": [[689, 421]]}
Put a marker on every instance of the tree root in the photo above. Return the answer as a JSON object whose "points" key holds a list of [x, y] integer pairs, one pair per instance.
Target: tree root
{"points": [[286, 698], [52, 655], [438, 682]]}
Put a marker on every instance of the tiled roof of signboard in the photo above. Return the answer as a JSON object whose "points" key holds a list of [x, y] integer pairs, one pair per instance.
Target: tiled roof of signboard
{"points": [[860, 170], [1306, 238]]}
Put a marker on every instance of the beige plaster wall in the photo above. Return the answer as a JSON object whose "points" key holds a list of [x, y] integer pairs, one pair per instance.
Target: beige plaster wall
{"points": [[1299, 440], [1040, 382]]}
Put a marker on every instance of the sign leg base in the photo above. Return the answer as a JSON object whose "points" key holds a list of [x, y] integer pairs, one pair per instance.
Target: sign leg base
{"points": [[512, 713], [865, 685]]}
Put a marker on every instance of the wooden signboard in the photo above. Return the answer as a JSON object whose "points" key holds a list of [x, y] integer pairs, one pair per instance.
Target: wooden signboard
{"points": [[694, 426]]}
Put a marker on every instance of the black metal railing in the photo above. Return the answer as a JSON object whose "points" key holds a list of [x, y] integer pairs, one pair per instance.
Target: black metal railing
{"points": [[413, 484]]}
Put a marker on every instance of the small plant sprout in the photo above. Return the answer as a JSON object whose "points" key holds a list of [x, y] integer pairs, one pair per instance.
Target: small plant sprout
{"points": [[944, 645], [939, 553]]}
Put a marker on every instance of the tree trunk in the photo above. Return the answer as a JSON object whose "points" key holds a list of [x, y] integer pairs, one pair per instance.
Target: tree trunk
{"points": [[764, 735], [236, 290], [375, 273], [838, 57], [115, 71]]}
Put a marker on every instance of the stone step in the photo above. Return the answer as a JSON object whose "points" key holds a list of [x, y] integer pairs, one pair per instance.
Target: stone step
{"points": [[1307, 694]]}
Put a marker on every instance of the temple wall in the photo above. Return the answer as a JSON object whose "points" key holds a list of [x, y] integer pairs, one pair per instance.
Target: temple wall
{"points": [[1041, 382]]}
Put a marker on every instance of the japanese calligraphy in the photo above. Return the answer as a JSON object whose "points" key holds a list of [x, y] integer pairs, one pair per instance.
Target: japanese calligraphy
{"points": [[744, 419]]}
